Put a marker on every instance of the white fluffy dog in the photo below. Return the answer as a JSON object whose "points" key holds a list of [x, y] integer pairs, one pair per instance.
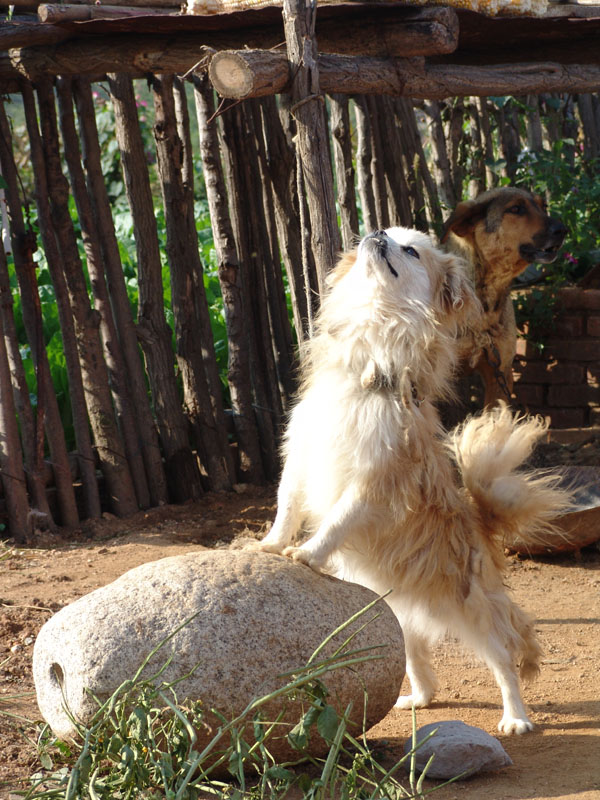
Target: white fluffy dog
{"points": [[373, 480]]}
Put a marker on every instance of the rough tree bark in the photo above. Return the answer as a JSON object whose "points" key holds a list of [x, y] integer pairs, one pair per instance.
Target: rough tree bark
{"points": [[182, 471], [533, 123], [412, 159], [281, 330], [344, 169], [454, 139], [476, 149], [115, 363], [193, 335], [32, 318], [235, 138], [147, 434], [488, 143], [441, 161], [363, 164], [510, 143], [312, 141], [591, 133], [399, 201], [85, 454], [32, 438], [230, 280], [281, 167], [101, 415], [380, 189]]}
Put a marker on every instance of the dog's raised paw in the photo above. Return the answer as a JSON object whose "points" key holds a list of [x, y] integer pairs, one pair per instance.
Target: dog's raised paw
{"points": [[514, 725]]}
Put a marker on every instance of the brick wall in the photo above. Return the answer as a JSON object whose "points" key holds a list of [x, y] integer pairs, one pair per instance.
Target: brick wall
{"points": [[562, 382]]}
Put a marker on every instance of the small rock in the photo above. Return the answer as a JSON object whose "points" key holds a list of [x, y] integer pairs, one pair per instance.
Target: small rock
{"points": [[458, 749]]}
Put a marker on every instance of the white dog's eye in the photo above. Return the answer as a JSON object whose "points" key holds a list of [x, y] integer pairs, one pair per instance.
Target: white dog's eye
{"points": [[411, 251]]}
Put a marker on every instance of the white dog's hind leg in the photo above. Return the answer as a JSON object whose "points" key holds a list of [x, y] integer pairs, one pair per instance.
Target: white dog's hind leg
{"points": [[348, 515], [514, 717], [422, 678]]}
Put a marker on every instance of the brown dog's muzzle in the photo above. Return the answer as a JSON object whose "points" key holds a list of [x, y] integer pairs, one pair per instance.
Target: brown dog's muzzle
{"points": [[546, 243]]}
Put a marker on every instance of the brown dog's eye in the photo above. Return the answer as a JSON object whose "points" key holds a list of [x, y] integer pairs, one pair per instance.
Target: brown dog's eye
{"points": [[516, 210], [410, 251]]}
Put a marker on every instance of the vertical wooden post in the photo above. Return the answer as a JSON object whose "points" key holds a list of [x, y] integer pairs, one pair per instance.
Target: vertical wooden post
{"points": [[363, 164], [412, 156], [32, 318], [230, 279], [93, 367], [281, 170], [275, 291], [108, 331], [380, 189], [312, 141], [85, 453], [182, 470], [491, 178], [441, 161], [246, 218], [145, 424], [399, 199], [11, 458], [194, 343], [344, 170]]}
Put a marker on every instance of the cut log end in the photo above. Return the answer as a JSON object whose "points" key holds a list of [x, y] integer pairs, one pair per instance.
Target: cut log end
{"points": [[248, 73], [230, 75]]}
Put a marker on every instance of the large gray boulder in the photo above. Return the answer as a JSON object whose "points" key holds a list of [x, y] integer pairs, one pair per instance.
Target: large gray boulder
{"points": [[260, 615]]}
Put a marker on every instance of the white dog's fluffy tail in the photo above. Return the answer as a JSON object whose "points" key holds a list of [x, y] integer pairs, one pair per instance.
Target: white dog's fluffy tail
{"points": [[489, 449]]}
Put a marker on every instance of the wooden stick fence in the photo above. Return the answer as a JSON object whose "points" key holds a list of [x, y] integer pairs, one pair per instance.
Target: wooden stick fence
{"points": [[151, 422]]}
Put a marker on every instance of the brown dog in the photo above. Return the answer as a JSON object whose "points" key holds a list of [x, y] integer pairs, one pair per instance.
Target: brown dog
{"points": [[499, 233]]}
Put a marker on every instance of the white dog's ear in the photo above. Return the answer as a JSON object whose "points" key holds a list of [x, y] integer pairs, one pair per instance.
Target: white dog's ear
{"points": [[345, 263], [457, 295]]}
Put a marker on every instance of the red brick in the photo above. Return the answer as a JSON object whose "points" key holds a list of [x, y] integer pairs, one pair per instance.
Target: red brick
{"points": [[574, 396], [593, 326], [573, 297], [593, 374], [573, 349], [528, 350], [529, 394], [568, 326], [595, 416], [565, 417], [551, 372]]}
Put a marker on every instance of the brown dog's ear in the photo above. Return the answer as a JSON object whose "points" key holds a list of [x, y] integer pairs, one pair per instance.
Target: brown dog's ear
{"points": [[463, 218]]}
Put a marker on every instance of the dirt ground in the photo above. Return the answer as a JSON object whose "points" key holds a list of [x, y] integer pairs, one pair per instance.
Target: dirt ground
{"points": [[559, 759]]}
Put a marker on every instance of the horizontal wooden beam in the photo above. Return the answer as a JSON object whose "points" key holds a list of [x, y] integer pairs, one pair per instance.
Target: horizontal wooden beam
{"points": [[63, 12], [401, 32], [242, 74]]}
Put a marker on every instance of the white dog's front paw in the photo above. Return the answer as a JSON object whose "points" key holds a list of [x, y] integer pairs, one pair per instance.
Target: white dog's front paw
{"points": [[514, 725], [304, 556], [267, 547], [410, 700]]}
